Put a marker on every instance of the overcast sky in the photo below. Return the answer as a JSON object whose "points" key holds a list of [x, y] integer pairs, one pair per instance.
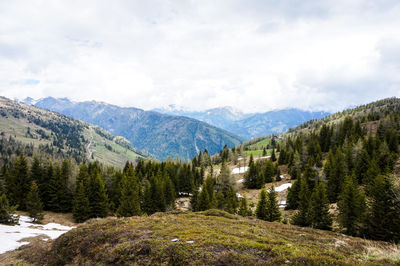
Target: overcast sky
{"points": [[252, 55]]}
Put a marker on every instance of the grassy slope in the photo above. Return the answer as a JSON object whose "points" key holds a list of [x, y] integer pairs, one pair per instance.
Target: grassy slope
{"points": [[219, 239], [17, 128]]}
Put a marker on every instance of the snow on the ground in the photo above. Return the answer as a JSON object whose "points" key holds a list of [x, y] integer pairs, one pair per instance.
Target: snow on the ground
{"points": [[240, 170], [282, 204], [239, 195], [264, 157], [283, 187], [240, 180], [11, 235]]}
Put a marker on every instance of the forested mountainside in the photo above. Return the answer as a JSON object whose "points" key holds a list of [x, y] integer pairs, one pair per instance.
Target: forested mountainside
{"points": [[250, 126], [349, 160], [43, 133], [160, 134]]}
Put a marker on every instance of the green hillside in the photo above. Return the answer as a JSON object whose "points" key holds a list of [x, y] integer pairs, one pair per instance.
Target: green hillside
{"points": [[207, 238], [45, 133]]}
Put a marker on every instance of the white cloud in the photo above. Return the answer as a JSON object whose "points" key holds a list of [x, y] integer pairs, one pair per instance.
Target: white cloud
{"points": [[254, 55]]}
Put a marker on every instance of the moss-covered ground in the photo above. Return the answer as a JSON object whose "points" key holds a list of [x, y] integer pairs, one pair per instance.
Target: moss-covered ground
{"points": [[213, 238]]}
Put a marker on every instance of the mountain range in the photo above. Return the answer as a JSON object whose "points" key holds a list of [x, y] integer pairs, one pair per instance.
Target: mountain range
{"points": [[43, 133], [162, 135], [248, 126]]}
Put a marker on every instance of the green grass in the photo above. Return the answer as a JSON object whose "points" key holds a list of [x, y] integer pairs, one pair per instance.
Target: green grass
{"points": [[261, 144], [218, 238]]}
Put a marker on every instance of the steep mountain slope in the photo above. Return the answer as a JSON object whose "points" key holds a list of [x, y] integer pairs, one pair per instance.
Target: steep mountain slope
{"points": [[38, 131], [209, 238], [249, 125], [160, 134]]}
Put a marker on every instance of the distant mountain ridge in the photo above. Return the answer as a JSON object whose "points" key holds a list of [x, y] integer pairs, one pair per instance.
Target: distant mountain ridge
{"points": [[50, 134], [249, 126], [162, 135]]}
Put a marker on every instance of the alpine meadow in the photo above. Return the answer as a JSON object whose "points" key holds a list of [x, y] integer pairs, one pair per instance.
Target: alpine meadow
{"points": [[199, 132]]}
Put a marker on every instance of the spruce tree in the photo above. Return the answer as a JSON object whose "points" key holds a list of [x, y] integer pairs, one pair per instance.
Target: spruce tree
{"points": [[98, 200], [243, 207], [169, 193], [251, 176], [384, 210], [81, 208], [272, 209], [292, 199], [351, 207], [21, 182], [269, 172], [34, 205], [203, 203], [54, 189], [318, 212], [130, 202], [301, 216], [261, 209], [231, 202], [7, 215], [224, 179], [273, 156]]}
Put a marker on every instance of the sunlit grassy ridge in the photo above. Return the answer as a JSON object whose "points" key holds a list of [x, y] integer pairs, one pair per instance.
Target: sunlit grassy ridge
{"points": [[210, 237]]}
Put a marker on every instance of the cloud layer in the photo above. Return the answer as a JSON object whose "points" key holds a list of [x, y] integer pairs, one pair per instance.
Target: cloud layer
{"points": [[253, 55]]}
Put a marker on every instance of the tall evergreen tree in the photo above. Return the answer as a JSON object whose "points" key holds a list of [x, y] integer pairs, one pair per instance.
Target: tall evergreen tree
{"points": [[169, 193], [351, 207], [21, 182], [34, 205], [273, 156], [130, 202], [7, 212], [243, 207], [272, 208], [384, 211], [261, 209], [81, 208], [251, 176], [318, 212], [301, 216], [98, 200]]}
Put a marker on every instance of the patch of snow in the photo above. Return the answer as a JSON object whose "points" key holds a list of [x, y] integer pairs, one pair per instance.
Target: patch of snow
{"points": [[239, 195], [282, 176], [11, 235], [283, 187], [175, 240], [240, 180], [240, 170], [265, 157], [282, 204], [190, 241]]}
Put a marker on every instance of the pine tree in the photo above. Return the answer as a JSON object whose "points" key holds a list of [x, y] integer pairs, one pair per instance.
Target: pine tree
{"points": [[318, 212], [7, 215], [203, 203], [21, 182], [301, 216], [351, 207], [243, 207], [261, 209], [269, 172], [81, 208], [292, 199], [54, 189], [251, 176], [384, 212], [273, 156], [231, 202], [169, 193], [224, 179], [34, 205], [130, 202], [272, 208], [98, 200]]}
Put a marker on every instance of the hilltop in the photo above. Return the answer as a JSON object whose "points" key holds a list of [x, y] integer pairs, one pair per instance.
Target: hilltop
{"points": [[45, 133], [160, 134], [212, 237]]}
